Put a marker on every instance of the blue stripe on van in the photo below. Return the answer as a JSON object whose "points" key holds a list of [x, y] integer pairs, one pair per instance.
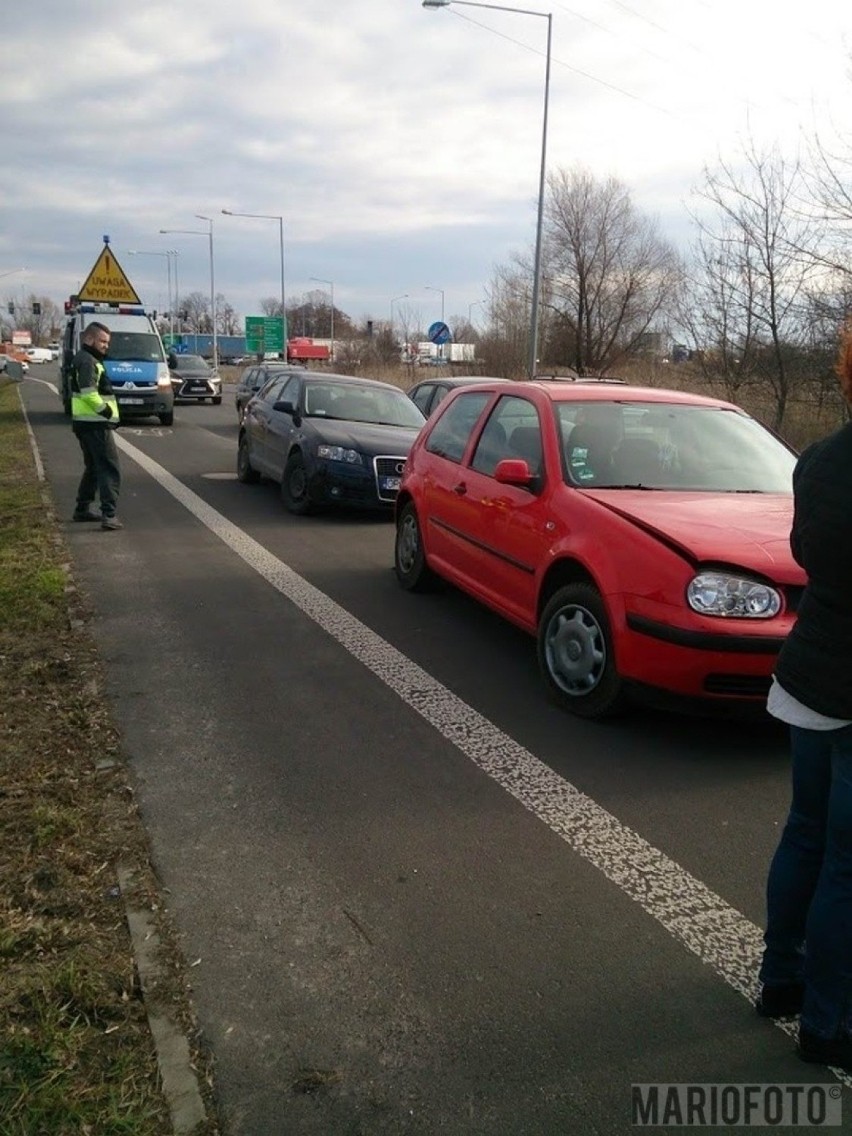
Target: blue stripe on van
{"points": [[141, 373]]}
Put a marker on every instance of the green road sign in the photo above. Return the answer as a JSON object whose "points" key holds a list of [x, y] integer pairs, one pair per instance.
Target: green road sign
{"points": [[264, 334]]}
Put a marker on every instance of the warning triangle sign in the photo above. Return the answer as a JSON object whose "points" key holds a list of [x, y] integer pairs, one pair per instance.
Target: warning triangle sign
{"points": [[107, 283]]}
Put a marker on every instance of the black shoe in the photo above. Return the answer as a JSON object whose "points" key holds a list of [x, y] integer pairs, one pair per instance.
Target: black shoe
{"points": [[85, 515], [835, 1051], [780, 1001]]}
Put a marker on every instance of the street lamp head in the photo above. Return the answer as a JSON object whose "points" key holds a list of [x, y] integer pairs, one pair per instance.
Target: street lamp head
{"points": [[228, 212], [436, 3]]}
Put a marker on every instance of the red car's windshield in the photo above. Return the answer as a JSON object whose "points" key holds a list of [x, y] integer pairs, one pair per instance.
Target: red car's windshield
{"points": [[670, 446]]}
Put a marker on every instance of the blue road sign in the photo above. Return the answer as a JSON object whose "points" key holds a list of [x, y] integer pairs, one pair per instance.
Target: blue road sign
{"points": [[439, 332]]}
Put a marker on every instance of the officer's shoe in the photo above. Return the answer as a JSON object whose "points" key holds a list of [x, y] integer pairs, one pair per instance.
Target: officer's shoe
{"points": [[836, 1051], [111, 523], [85, 515]]}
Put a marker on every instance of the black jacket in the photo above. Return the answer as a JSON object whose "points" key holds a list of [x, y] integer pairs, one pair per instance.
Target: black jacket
{"points": [[815, 664], [88, 372]]}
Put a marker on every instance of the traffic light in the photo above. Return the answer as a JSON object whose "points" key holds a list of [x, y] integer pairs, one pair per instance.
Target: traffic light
{"points": [[369, 327], [184, 315], [11, 308], [36, 308]]}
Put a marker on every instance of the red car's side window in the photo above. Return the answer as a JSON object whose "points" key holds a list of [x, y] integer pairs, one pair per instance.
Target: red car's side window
{"points": [[513, 430], [451, 433]]}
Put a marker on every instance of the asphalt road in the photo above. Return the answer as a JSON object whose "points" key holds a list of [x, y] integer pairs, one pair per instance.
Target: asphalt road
{"points": [[411, 883]]}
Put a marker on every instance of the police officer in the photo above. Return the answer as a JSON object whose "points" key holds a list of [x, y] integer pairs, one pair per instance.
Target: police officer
{"points": [[94, 414]]}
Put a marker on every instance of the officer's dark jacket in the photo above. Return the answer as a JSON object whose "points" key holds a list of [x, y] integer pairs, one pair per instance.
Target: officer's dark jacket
{"points": [[91, 391]]}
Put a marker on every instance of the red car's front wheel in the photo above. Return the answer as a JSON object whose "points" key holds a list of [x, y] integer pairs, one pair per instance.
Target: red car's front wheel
{"points": [[575, 653]]}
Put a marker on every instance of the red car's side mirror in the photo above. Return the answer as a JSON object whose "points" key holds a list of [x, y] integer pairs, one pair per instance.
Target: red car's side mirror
{"points": [[513, 471]]}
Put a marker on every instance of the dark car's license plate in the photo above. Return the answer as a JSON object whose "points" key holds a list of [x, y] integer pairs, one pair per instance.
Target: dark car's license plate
{"points": [[390, 484], [131, 401], [197, 388]]}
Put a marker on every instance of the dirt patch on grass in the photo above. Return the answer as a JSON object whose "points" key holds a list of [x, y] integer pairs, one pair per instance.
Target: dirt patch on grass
{"points": [[76, 1053]]}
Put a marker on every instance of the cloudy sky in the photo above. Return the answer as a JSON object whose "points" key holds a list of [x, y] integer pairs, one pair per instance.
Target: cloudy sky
{"points": [[400, 145]]}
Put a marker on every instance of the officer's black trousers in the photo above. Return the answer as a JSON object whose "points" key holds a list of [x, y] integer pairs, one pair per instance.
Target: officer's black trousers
{"points": [[101, 473]]}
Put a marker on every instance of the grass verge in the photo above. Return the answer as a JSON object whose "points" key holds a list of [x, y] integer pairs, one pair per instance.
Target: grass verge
{"points": [[76, 1053]]}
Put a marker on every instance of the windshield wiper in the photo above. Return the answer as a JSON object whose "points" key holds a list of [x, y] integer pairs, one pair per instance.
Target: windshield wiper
{"points": [[626, 485]]}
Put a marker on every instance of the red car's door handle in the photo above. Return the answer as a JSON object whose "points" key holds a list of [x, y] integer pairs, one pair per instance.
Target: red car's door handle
{"points": [[460, 489]]}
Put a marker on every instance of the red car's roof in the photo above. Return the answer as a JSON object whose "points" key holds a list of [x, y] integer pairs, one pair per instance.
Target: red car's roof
{"points": [[561, 391]]}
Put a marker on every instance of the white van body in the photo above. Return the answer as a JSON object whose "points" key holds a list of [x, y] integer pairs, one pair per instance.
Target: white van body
{"points": [[135, 363], [39, 354]]}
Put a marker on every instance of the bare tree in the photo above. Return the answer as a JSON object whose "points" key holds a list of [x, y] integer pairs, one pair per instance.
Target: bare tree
{"points": [[757, 265], [509, 297], [197, 308], [609, 277], [270, 306], [228, 321], [716, 308], [406, 328], [829, 180], [38, 315]]}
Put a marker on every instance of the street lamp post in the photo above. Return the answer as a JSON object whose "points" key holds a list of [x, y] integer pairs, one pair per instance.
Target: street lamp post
{"points": [[330, 283], [533, 353], [470, 308], [168, 254], [280, 220], [209, 235], [429, 288], [209, 221], [404, 296], [11, 272]]}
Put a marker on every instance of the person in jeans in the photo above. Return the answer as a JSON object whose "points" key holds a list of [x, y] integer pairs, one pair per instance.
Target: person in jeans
{"points": [[807, 961], [94, 414]]}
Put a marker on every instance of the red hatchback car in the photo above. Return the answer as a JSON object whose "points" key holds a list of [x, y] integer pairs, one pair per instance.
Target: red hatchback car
{"points": [[641, 535]]}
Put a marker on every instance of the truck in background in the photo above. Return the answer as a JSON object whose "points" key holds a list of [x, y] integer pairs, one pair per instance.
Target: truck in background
{"points": [[426, 353], [136, 363], [300, 349]]}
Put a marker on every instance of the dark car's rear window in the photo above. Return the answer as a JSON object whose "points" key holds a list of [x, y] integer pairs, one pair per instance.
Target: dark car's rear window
{"points": [[189, 363]]}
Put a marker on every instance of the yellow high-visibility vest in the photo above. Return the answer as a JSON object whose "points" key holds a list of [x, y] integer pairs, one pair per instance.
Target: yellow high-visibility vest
{"points": [[86, 403]]}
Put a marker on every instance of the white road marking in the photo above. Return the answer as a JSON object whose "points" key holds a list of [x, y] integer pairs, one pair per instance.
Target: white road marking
{"points": [[689, 911], [39, 466]]}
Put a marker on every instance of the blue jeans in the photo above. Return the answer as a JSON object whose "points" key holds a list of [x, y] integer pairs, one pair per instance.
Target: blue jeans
{"points": [[809, 892]]}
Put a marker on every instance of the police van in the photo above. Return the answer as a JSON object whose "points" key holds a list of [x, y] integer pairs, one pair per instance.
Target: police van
{"points": [[136, 361]]}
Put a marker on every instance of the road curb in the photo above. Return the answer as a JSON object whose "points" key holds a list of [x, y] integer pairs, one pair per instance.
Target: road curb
{"points": [[179, 1081]]}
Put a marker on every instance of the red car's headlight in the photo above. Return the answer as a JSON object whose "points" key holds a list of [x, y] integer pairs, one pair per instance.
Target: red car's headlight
{"points": [[738, 597]]}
